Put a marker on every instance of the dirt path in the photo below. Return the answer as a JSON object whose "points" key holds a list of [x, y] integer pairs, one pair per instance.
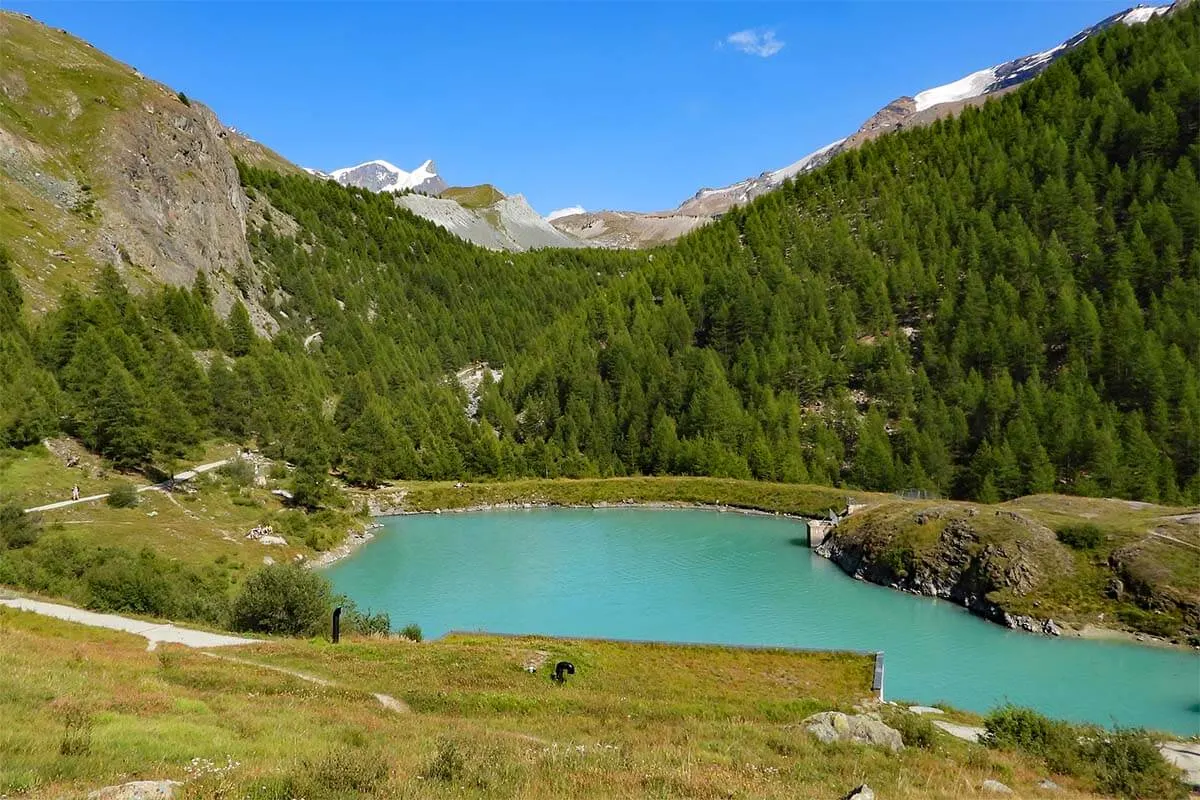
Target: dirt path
{"points": [[385, 700], [186, 475], [154, 632]]}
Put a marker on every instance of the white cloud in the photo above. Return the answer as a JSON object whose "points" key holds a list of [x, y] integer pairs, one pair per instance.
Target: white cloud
{"points": [[565, 212], [759, 42]]}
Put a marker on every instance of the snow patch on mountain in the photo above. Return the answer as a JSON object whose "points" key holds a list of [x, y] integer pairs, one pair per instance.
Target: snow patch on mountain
{"points": [[813, 159], [973, 85], [1143, 14], [570, 211], [383, 176], [1019, 70]]}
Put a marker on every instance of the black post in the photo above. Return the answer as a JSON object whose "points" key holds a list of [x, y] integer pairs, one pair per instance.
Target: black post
{"points": [[337, 624]]}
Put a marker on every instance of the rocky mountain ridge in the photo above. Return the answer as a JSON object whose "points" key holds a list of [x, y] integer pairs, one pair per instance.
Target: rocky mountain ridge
{"points": [[101, 165], [636, 229]]}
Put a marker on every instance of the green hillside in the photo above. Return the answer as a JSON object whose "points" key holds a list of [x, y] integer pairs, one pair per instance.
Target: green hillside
{"points": [[998, 305]]}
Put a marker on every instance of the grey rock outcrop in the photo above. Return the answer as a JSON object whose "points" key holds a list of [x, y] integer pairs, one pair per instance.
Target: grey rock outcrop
{"points": [[862, 792], [834, 726], [138, 790], [963, 567], [995, 787], [508, 224]]}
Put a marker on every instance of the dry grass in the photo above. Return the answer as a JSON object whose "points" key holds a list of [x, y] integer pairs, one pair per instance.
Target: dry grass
{"points": [[636, 721]]}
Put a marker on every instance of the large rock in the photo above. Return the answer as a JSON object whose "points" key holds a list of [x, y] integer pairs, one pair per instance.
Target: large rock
{"points": [[995, 787], [834, 726], [863, 792], [137, 790]]}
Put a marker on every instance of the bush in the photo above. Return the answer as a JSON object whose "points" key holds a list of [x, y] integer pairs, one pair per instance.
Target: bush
{"points": [[122, 495], [284, 599], [129, 583], [1081, 537], [361, 622], [17, 529], [1127, 764], [448, 765], [77, 736], [1123, 762], [1057, 743], [915, 730], [1165, 625], [411, 631], [238, 471], [183, 98], [350, 771]]}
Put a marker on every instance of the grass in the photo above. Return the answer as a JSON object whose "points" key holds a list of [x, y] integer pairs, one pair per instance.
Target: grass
{"points": [[635, 721], [1132, 578], [479, 196], [783, 498]]}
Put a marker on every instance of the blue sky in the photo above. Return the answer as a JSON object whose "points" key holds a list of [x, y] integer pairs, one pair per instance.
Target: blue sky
{"points": [[610, 105]]}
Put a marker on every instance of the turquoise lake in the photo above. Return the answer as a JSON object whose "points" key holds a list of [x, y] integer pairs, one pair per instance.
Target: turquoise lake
{"points": [[700, 576]]}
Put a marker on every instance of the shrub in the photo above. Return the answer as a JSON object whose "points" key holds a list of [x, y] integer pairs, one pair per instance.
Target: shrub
{"points": [[448, 765], [349, 771], [915, 730], [125, 582], [1081, 537], [183, 98], [1013, 728], [17, 529], [1156, 624], [1127, 764], [238, 471], [284, 599], [365, 623], [77, 736], [122, 495], [411, 631]]}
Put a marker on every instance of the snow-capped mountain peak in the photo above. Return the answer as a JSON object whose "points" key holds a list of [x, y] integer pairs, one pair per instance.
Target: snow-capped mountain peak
{"points": [[383, 176], [1019, 70]]}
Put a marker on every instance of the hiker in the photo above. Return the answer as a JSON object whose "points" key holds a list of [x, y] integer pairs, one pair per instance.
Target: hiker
{"points": [[74, 492]]}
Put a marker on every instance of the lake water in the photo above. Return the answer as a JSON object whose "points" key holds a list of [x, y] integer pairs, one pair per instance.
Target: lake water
{"points": [[700, 576]]}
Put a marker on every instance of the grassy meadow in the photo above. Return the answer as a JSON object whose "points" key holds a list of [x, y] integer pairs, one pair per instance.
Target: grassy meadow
{"points": [[87, 708]]}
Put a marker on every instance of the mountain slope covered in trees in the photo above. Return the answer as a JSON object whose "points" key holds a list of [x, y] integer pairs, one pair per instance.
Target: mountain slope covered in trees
{"points": [[1000, 304]]}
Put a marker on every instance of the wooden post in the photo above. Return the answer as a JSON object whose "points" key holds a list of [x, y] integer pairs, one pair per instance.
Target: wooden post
{"points": [[337, 624]]}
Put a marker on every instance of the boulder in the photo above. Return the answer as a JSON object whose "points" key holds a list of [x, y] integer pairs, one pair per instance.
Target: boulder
{"points": [[1048, 785], [925, 710], [863, 792], [137, 790], [995, 787], [834, 726]]}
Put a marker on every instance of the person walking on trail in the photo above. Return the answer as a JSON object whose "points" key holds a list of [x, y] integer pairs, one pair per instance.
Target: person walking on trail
{"points": [[75, 492]]}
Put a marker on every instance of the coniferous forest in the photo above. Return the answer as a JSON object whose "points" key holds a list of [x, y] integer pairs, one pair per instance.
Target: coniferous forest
{"points": [[1000, 304]]}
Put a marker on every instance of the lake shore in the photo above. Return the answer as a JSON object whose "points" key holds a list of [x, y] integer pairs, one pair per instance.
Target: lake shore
{"points": [[800, 502]]}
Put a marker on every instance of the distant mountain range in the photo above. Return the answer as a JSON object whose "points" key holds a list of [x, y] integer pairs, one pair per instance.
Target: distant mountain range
{"points": [[634, 229], [512, 224]]}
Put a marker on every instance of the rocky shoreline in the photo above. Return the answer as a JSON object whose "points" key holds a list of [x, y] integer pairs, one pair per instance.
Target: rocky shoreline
{"points": [[960, 585], [964, 579], [353, 541]]}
